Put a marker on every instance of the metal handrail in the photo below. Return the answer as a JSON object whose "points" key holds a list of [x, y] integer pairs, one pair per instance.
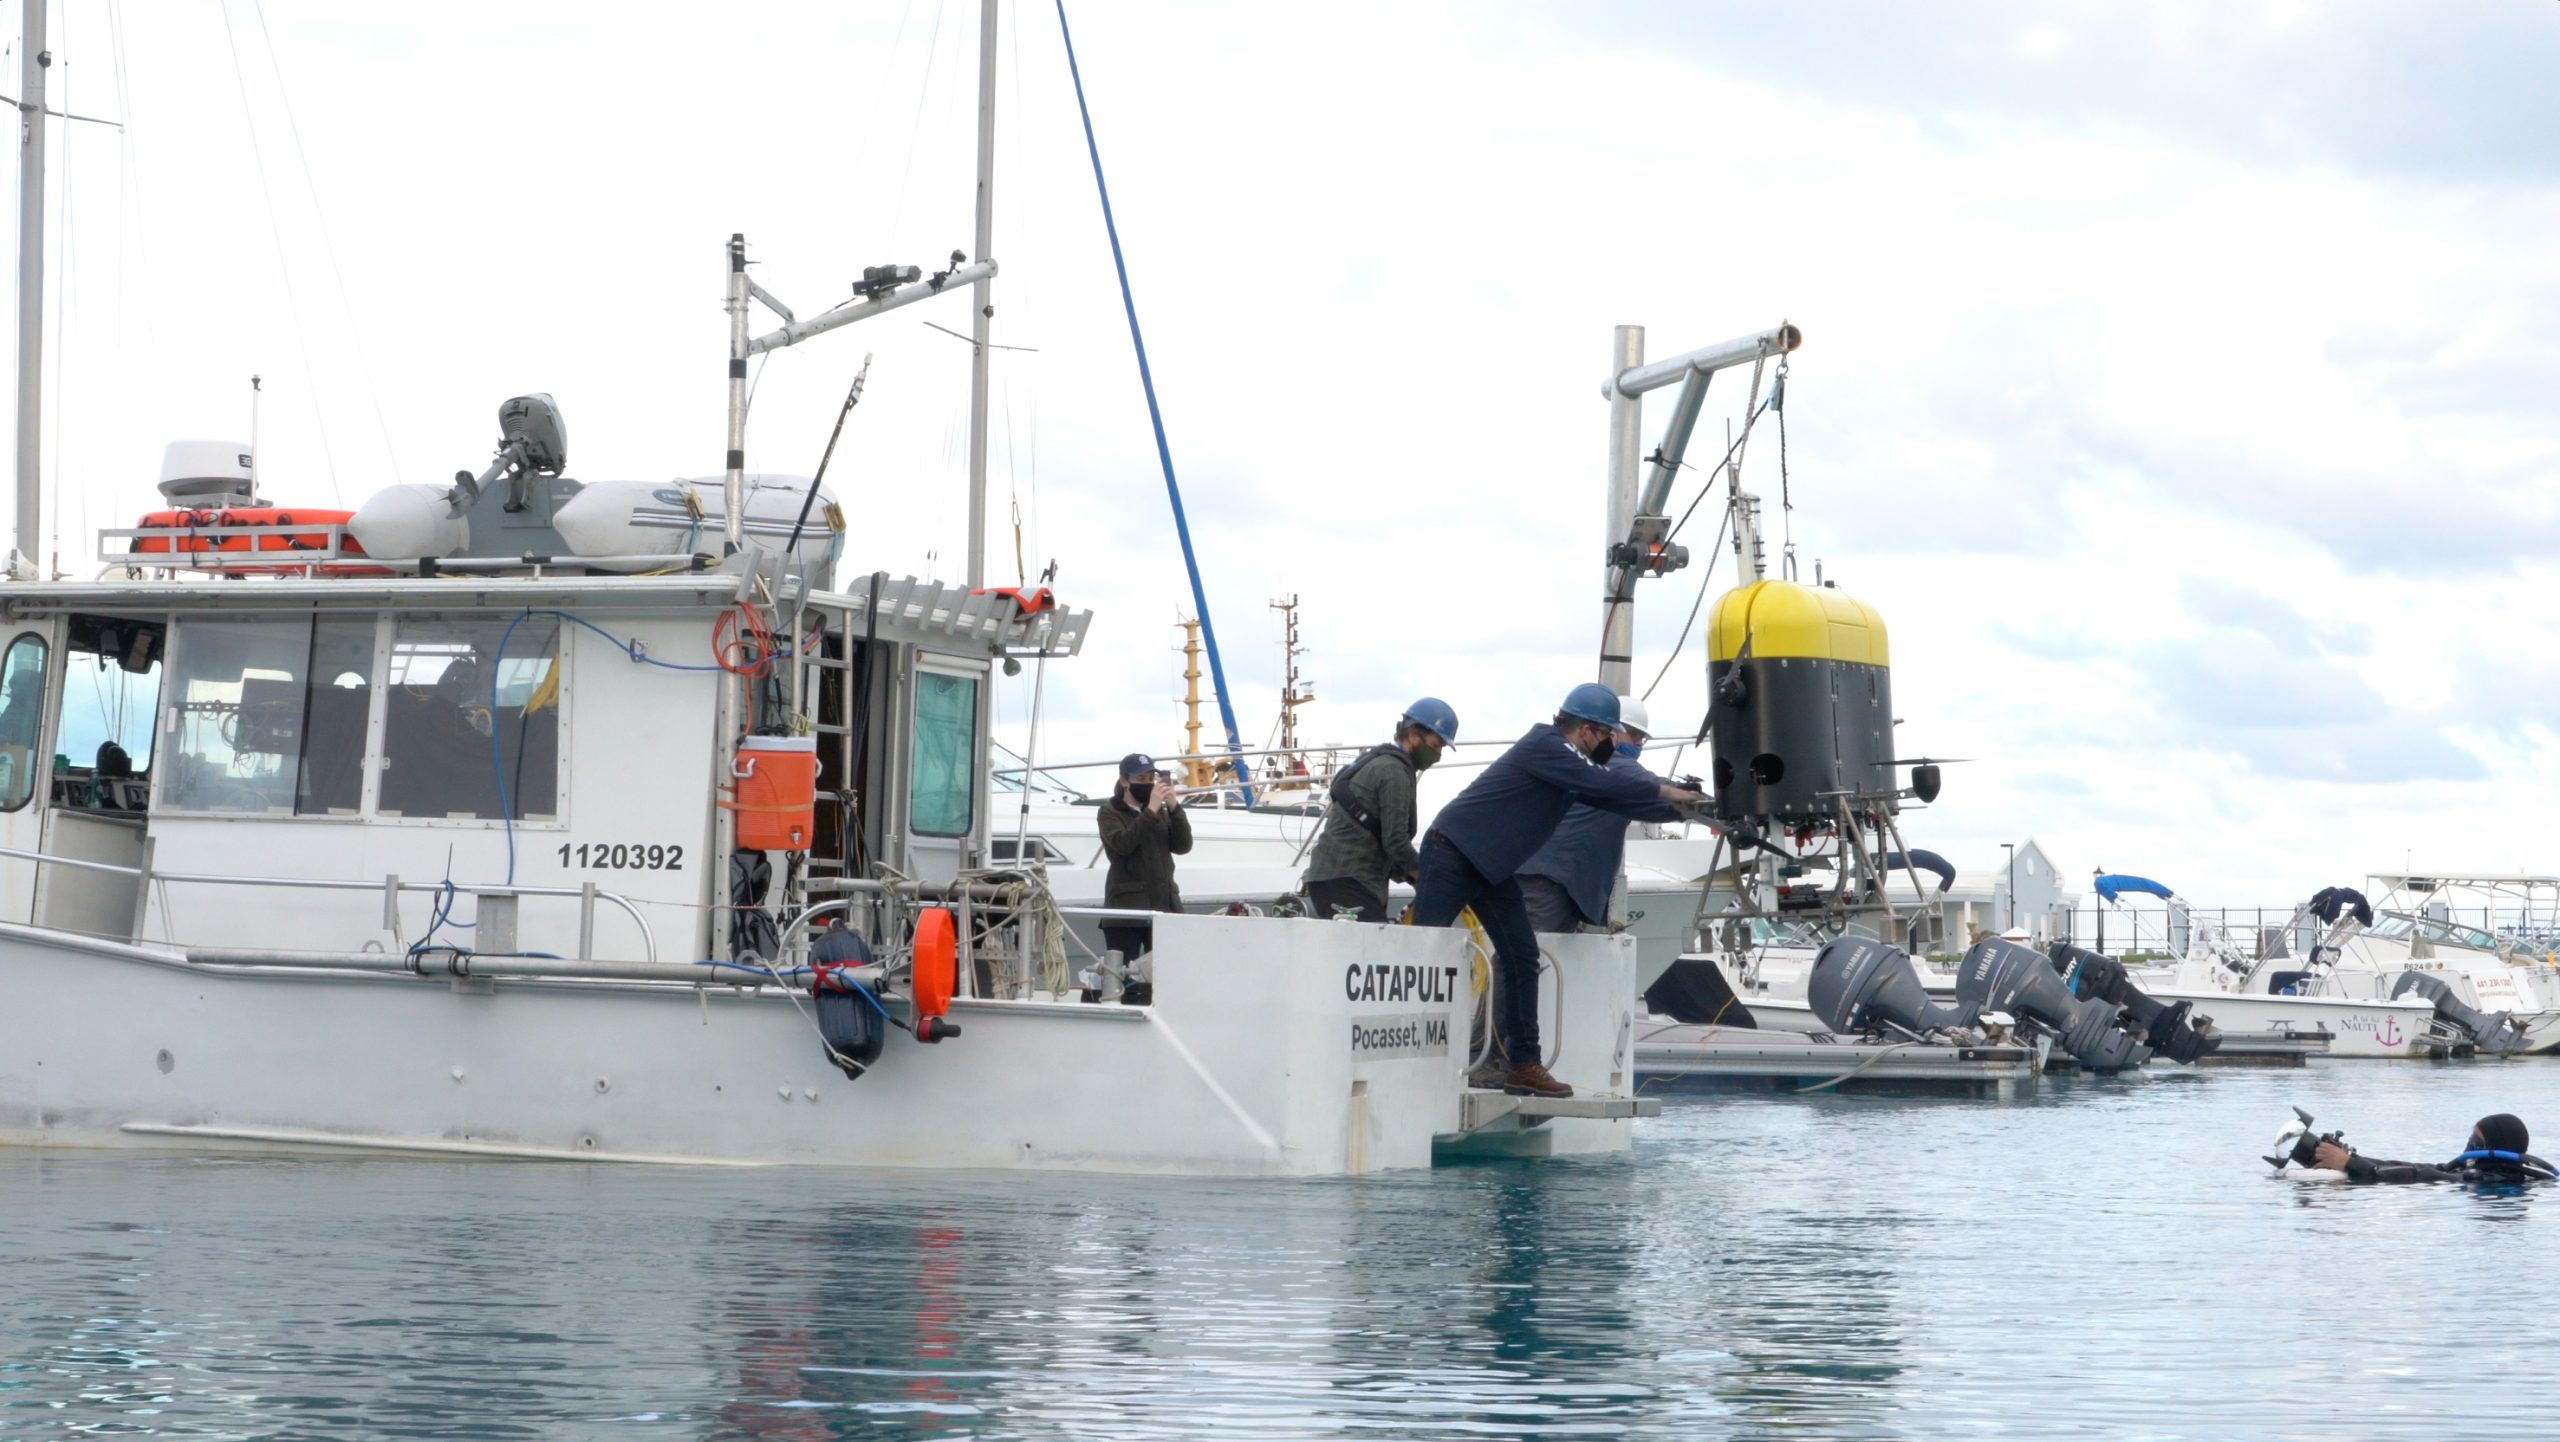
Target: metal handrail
{"points": [[587, 895]]}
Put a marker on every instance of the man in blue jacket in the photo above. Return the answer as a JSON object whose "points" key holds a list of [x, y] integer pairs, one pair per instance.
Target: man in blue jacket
{"points": [[1567, 884], [1474, 851]]}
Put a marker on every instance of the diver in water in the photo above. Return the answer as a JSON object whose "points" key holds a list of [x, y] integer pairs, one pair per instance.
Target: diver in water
{"points": [[2496, 1155]]}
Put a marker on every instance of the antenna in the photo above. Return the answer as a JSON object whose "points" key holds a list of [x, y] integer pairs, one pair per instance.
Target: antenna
{"points": [[257, 389]]}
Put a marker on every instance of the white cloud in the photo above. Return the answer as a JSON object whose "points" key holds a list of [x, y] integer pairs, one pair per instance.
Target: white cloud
{"points": [[2066, 357], [2043, 42]]}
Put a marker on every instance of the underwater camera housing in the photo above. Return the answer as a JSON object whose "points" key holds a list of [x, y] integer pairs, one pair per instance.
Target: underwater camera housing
{"points": [[2003, 976], [2166, 1027], [2298, 1145], [1860, 984]]}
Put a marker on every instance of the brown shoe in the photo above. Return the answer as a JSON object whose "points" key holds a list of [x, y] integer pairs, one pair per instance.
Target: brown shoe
{"points": [[1533, 1080]]}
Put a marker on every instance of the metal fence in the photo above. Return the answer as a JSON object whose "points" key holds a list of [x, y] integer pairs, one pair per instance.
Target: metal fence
{"points": [[2269, 931]]}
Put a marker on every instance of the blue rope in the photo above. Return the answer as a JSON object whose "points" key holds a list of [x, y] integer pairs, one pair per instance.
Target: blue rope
{"points": [[1155, 415], [497, 759]]}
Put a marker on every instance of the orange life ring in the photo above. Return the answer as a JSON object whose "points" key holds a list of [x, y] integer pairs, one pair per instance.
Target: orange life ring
{"points": [[937, 961]]}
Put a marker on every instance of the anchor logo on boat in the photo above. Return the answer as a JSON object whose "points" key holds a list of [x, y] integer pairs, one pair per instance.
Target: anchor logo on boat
{"points": [[2389, 1035]]}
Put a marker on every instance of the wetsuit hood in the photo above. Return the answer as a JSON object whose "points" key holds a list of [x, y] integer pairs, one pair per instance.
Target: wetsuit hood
{"points": [[2504, 1132]]}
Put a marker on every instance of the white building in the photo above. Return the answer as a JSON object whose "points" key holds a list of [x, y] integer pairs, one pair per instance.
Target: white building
{"points": [[1979, 902]]}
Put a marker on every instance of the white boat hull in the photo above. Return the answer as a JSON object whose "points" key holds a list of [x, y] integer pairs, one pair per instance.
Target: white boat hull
{"points": [[1272, 1048]]}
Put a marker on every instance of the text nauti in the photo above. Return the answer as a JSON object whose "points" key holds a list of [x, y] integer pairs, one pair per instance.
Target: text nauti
{"points": [[1400, 983]]}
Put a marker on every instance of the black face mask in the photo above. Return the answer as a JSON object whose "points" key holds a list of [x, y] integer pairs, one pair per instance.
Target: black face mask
{"points": [[1601, 750], [1425, 756], [1138, 795]]}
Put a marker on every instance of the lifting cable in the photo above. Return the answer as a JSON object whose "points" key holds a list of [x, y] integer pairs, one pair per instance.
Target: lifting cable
{"points": [[1694, 608]]}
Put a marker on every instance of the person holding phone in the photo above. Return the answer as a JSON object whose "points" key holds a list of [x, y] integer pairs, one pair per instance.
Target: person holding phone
{"points": [[1143, 829]]}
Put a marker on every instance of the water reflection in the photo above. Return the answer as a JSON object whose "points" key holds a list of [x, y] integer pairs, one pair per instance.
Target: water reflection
{"points": [[1835, 1267]]}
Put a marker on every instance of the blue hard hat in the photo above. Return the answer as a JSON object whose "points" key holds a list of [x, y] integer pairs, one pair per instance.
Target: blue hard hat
{"points": [[1592, 701], [1433, 715]]}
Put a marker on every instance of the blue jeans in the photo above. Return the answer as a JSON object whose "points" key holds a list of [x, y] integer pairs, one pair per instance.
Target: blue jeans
{"points": [[1450, 884]]}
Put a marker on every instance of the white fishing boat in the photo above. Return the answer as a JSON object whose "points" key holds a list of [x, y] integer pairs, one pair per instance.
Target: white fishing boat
{"points": [[502, 820], [2337, 988]]}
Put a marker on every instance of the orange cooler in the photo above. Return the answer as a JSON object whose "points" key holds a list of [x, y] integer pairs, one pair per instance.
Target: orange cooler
{"points": [[777, 802]]}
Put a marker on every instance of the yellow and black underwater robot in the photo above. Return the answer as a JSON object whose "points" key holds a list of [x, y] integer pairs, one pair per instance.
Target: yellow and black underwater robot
{"points": [[1800, 702]]}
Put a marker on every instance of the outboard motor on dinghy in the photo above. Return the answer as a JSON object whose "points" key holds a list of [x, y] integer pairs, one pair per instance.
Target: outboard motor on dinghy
{"points": [[2495, 1034], [1860, 984], [2003, 976], [2166, 1028]]}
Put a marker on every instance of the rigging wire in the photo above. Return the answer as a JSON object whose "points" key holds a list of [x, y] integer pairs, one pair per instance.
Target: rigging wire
{"points": [[915, 130], [1694, 607], [1786, 493], [1611, 614], [129, 222], [1014, 288], [64, 235], [275, 228], [879, 92], [328, 243], [1705, 491]]}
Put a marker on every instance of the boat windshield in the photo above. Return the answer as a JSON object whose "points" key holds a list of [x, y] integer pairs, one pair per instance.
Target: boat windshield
{"points": [[2401, 926]]}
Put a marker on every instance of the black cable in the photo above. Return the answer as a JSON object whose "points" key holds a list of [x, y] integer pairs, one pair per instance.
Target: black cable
{"points": [[1747, 423], [1694, 608]]}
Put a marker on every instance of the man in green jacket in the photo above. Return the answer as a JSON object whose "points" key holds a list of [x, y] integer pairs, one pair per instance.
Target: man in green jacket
{"points": [[1367, 840], [1143, 829]]}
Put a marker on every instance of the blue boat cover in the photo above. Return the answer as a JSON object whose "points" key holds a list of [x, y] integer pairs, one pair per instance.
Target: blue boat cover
{"points": [[2111, 887], [1918, 860]]}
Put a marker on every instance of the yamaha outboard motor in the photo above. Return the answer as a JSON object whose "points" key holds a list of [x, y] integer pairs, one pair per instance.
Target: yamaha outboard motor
{"points": [[1860, 984], [2494, 1034], [2004, 976], [2165, 1025]]}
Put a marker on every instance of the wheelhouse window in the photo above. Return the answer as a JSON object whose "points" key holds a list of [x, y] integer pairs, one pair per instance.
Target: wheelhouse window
{"points": [[21, 719], [110, 698], [942, 797], [471, 719], [234, 725], [336, 709]]}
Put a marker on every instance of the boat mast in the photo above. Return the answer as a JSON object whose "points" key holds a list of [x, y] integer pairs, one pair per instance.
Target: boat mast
{"points": [[981, 308], [1197, 774], [31, 103], [1289, 763]]}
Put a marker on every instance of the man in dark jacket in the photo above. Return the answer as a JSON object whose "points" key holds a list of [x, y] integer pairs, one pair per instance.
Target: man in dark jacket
{"points": [[2495, 1156], [1568, 883], [1367, 840], [1143, 830], [1473, 853]]}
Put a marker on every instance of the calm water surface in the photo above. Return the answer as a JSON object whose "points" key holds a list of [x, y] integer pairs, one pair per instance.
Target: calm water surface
{"points": [[2100, 1259]]}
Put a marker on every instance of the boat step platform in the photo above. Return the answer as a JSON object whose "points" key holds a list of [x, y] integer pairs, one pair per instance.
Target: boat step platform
{"points": [[1680, 1058], [2268, 1049], [1479, 1108]]}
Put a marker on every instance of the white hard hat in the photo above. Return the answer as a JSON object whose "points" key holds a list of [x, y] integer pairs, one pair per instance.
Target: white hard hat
{"points": [[1631, 717]]}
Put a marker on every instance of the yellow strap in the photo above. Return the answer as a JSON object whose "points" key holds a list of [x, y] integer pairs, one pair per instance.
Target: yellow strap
{"points": [[548, 693]]}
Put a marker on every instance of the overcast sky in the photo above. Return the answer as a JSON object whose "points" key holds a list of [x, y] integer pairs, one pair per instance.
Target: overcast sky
{"points": [[2178, 379]]}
